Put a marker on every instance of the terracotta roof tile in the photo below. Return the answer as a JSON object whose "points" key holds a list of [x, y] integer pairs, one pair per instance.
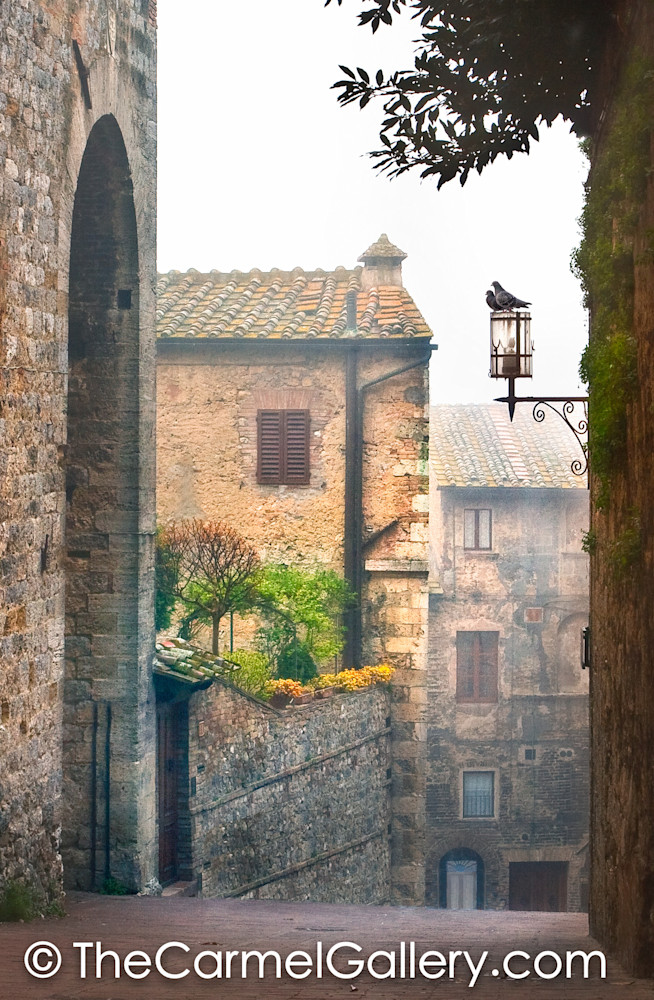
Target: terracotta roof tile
{"points": [[477, 445], [282, 304], [188, 664]]}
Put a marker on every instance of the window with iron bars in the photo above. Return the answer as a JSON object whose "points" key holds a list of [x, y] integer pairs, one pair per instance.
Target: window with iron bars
{"points": [[478, 794]]}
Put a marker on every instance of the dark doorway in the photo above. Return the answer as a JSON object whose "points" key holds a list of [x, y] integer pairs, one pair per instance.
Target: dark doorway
{"points": [[538, 885], [168, 749]]}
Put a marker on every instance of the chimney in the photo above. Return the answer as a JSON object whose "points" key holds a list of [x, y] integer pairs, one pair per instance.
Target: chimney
{"points": [[382, 264]]}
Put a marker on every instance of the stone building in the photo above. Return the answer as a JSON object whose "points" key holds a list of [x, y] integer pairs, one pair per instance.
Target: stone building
{"points": [[293, 406], [270, 803], [507, 775], [77, 282]]}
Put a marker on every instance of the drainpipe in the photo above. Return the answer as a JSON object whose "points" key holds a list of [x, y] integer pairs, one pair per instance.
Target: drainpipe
{"points": [[94, 794], [354, 408], [107, 795]]}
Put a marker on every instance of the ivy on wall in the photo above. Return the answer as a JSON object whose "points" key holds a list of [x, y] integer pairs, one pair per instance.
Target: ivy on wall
{"points": [[604, 263]]}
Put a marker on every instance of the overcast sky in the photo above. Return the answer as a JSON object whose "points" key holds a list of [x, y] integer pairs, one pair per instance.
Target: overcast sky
{"points": [[259, 167]]}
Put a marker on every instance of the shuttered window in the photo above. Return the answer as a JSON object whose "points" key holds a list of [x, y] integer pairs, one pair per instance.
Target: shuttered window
{"points": [[476, 666], [283, 447]]}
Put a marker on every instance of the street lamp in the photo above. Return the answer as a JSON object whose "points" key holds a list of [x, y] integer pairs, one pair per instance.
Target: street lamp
{"points": [[511, 351], [511, 347]]}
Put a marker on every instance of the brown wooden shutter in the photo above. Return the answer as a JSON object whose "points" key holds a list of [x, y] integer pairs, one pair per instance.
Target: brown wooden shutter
{"points": [[487, 684], [465, 675], [296, 450], [283, 447], [269, 446], [476, 666]]}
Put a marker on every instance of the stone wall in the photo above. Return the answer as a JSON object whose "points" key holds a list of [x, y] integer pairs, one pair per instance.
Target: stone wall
{"points": [[622, 625], [291, 803], [532, 589], [56, 103]]}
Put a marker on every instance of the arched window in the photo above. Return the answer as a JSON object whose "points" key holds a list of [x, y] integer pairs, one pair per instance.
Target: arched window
{"points": [[461, 880]]}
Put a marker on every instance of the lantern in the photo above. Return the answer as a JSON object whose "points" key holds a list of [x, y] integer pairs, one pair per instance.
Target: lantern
{"points": [[511, 346]]}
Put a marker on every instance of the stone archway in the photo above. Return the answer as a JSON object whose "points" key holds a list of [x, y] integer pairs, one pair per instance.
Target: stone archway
{"points": [[106, 736]]}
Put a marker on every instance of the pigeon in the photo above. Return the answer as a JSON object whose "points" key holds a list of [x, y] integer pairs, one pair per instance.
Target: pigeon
{"points": [[492, 301], [505, 300]]}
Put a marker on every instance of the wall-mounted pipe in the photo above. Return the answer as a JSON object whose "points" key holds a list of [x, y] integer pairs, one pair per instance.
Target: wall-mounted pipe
{"points": [[353, 534], [94, 794], [107, 795]]}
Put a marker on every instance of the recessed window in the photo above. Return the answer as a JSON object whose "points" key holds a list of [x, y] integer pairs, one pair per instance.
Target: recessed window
{"points": [[283, 447], [476, 666], [478, 794], [477, 529], [530, 753]]}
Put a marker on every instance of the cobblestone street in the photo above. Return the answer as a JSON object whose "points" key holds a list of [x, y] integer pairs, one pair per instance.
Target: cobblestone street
{"points": [[128, 924]]}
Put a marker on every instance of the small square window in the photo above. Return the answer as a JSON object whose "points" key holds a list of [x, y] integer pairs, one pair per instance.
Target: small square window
{"points": [[477, 529], [530, 753], [478, 794]]}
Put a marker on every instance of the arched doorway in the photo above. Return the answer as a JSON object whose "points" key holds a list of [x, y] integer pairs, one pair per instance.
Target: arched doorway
{"points": [[104, 688], [461, 880]]}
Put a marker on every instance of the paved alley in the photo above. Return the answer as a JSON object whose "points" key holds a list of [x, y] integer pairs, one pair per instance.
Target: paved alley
{"points": [[128, 924]]}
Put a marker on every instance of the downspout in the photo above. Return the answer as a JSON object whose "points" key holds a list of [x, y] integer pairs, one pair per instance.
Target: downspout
{"points": [[94, 794], [107, 795], [355, 400], [352, 613]]}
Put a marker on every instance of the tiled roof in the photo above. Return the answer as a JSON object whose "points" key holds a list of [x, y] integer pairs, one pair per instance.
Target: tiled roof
{"points": [[182, 661], [282, 304], [479, 446]]}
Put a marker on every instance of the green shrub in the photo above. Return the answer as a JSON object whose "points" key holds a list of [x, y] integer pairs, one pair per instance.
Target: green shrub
{"points": [[295, 662], [254, 674], [114, 887], [22, 901]]}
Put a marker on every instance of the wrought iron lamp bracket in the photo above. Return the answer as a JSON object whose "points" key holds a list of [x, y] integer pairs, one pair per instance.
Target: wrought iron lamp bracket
{"points": [[564, 407]]}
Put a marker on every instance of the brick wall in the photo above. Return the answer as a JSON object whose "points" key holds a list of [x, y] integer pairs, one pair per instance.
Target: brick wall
{"points": [[288, 804]]}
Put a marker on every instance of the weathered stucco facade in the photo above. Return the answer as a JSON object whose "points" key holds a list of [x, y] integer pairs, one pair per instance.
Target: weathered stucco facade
{"points": [[77, 236], [507, 777], [348, 349]]}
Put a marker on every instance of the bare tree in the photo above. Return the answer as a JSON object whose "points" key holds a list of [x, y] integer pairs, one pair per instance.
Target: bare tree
{"points": [[215, 569]]}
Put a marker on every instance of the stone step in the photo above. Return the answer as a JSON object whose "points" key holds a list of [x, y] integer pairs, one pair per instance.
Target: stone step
{"points": [[181, 889]]}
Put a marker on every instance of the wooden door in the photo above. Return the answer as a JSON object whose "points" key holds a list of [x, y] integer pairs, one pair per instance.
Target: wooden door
{"points": [[538, 885], [167, 771]]}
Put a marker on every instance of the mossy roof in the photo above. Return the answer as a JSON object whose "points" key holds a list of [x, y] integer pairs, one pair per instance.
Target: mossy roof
{"points": [[182, 661]]}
